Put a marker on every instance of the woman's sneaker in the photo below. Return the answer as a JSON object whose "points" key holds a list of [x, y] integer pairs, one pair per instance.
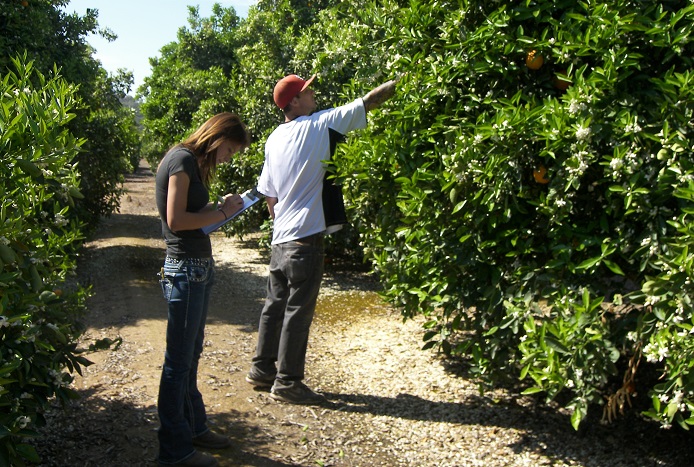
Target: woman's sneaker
{"points": [[211, 440], [297, 394]]}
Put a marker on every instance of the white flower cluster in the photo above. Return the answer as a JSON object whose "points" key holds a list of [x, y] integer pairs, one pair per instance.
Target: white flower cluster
{"points": [[576, 106], [632, 128], [60, 220], [578, 164], [57, 378], [655, 352], [23, 421], [500, 129], [677, 399], [616, 164], [628, 164], [652, 300], [583, 133]]}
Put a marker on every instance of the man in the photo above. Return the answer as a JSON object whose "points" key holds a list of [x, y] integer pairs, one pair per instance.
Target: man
{"points": [[292, 182]]}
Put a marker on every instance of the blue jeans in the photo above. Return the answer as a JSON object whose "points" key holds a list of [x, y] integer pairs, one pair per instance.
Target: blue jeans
{"points": [[186, 285], [296, 271]]}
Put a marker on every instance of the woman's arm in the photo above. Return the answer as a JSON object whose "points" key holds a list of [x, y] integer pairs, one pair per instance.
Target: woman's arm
{"points": [[178, 218]]}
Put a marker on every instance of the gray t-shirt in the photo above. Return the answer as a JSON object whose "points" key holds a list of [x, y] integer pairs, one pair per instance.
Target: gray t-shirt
{"points": [[184, 243]]}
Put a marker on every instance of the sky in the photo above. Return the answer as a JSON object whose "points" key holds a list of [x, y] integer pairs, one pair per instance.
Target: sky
{"points": [[143, 27]]}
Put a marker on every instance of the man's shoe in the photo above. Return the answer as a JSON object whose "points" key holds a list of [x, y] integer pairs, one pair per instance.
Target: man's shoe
{"points": [[299, 394], [259, 382], [211, 440], [198, 459]]}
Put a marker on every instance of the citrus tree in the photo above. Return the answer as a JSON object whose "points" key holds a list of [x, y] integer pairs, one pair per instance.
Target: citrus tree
{"points": [[529, 189], [220, 64], [65, 142], [39, 303], [48, 36], [189, 81]]}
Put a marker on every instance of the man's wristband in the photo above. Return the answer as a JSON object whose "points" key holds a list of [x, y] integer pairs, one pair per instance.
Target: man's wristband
{"points": [[224, 213]]}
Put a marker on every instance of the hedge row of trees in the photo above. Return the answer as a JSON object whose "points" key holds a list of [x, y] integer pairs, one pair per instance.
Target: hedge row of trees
{"points": [[66, 142], [528, 191]]}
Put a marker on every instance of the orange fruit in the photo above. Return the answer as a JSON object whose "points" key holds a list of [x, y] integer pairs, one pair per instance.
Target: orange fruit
{"points": [[540, 175], [560, 83], [534, 60]]}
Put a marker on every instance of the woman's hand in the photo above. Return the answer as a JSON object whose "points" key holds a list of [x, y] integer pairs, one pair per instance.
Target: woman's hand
{"points": [[231, 205]]}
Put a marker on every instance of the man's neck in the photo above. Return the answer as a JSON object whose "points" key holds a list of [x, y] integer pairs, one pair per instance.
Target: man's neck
{"points": [[289, 116]]}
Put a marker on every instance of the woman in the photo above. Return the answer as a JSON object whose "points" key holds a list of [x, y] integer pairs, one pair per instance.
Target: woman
{"points": [[182, 182]]}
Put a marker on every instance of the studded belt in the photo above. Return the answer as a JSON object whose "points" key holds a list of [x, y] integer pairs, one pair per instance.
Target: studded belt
{"points": [[191, 261]]}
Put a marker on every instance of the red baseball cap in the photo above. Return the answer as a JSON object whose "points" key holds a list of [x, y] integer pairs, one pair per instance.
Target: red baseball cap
{"points": [[288, 88]]}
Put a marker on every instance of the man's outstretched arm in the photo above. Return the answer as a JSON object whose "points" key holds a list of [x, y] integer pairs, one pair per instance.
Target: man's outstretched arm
{"points": [[379, 95]]}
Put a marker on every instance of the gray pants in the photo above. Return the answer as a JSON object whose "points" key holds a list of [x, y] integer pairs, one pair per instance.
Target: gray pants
{"points": [[296, 271]]}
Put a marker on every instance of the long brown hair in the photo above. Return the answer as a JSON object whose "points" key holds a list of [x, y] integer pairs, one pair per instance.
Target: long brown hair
{"points": [[205, 141]]}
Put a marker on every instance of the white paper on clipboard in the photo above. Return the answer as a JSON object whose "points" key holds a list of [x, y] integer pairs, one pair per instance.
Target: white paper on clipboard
{"points": [[249, 198]]}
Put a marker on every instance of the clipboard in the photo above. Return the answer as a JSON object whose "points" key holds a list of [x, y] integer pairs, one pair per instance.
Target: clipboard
{"points": [[250, 197]]}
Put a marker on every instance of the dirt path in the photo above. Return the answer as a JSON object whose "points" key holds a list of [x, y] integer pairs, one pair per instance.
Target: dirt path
{"points": [[389, 403]]}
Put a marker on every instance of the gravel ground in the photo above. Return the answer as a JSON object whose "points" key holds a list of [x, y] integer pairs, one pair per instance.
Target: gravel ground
{"points": [[389, 403]]}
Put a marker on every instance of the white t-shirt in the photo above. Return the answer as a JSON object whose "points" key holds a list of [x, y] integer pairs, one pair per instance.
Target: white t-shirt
{"points": [[293, 171]]}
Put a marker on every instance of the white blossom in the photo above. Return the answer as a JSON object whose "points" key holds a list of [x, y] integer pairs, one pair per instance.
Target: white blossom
{"points": [[583, 133], [652, 300], [576, 106], [616, 163], [60, 220], [663, 352], [23, 421]]}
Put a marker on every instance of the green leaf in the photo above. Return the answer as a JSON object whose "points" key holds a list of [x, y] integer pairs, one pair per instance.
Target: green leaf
{"points": [[577, 416], [28, 452], [614, 267], [589, 263], [524, 372], [429, 335], [556, 345]]}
